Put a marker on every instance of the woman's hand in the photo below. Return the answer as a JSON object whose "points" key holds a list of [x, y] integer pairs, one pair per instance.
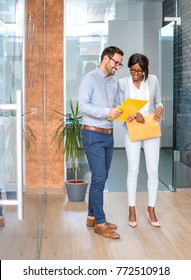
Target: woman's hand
{"points": [[159, 113], [130, 118], [139, 118]]}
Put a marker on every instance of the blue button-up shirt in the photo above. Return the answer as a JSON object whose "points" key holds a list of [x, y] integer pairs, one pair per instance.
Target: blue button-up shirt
{"points": [[97, 94]]}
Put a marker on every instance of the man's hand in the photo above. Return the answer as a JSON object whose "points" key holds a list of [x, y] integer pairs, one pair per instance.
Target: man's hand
{"points": [[114, 113]]}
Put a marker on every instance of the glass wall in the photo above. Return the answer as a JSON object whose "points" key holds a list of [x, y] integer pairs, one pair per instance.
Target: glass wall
{"points": [[91, 25], [86, 35], [12, 79], [11, 48], [166, 77], [182, 97]]}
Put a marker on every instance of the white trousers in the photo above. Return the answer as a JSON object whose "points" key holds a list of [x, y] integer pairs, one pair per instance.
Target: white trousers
{"points": [[151, 150]]}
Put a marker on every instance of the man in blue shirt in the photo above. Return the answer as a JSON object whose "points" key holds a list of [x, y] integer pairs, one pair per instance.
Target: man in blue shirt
{"points": [[98, 101]]}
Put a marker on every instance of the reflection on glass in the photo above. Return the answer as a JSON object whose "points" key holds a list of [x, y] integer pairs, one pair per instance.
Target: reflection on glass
{"points": [[11, 42], [166, 81], [86, 37], [11, 61]]}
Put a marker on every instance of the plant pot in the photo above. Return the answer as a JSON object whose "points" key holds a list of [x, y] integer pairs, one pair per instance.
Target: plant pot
{"points": [[76, 190]]}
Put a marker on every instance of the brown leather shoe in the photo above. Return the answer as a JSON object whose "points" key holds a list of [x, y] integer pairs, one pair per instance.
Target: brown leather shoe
{"points": [[91, 223], [105, 231], [2, 221]]}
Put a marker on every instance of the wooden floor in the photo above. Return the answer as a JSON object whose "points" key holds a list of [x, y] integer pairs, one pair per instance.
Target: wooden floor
{"points": [[60, 232]]}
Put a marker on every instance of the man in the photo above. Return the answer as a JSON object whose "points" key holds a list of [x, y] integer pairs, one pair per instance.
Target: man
{"points": [[98, 101]]}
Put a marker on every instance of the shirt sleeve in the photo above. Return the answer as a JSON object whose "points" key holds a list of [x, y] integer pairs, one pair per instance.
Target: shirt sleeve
{"points": [[157, 100]]}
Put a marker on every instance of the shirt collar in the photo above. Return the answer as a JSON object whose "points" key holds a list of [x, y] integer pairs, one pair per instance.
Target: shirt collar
{"points": [[102, 74]]}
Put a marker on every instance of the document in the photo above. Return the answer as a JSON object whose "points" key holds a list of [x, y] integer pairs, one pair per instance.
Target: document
{"points": [[142, 131], [129, 107]]}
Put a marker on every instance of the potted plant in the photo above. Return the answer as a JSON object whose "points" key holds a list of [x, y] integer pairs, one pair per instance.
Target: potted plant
{"points": [[68, 136]]}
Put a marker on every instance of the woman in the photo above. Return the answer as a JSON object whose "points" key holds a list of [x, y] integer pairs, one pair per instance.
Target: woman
{"points": [[141, 85]]}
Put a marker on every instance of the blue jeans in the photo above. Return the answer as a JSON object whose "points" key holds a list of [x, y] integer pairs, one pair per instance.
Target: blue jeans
{"points": [[98, 147]]}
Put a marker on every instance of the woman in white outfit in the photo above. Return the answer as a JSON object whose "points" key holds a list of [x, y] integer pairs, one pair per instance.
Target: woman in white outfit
{"points": [[141, 85]]}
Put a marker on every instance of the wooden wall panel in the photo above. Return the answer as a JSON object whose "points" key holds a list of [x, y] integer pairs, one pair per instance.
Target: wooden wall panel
{"points": [[54, 86], [44, 90]]}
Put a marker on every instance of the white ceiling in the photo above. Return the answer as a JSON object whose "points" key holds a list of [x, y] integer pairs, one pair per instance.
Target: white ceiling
{"points": [[96, 8]]}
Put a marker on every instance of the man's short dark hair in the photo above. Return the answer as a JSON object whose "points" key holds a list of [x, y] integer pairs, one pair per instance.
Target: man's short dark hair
{"points": [[110, 51]]}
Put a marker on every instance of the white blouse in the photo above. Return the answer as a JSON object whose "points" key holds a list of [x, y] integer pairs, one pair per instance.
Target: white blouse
{"points": [[149, 90], [140, 93]]}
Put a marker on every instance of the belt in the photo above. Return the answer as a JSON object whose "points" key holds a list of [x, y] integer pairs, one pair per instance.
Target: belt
{"points": [[97, 129]]}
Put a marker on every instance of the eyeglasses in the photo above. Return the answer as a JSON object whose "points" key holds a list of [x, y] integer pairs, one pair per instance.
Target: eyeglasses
{"points": [[117, 63], [133, 71]]}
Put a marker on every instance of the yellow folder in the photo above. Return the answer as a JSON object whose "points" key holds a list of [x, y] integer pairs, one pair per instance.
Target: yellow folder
{"points": [[142, 131], [129, 107]]}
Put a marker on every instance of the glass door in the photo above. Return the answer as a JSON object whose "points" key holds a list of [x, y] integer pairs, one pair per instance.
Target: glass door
{"points": [[166, 53], [20, 202], [11, 92], [86, 36], [11, 188]]}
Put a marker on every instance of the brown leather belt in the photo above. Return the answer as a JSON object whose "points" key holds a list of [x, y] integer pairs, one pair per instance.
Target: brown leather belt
{"points": [[97, 129]]}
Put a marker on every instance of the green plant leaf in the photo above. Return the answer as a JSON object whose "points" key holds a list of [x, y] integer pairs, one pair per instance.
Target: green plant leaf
{"points": [[68, 136]]}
